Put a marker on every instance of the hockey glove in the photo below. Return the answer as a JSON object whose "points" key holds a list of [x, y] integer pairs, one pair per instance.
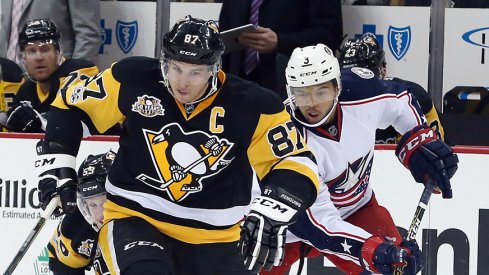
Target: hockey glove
{"points": [[380, 256], [57, 177], [263, 230], [428, 157], [23, 118]]}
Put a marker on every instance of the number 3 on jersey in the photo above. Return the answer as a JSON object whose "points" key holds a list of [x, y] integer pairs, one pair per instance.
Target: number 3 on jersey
{"points": [[282, 141]]}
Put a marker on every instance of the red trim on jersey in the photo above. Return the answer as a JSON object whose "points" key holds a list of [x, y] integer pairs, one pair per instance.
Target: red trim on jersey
{"points": [[39, 136], [372, 99], [338, 123], [462, 149], [331, 233], [416, 115]]}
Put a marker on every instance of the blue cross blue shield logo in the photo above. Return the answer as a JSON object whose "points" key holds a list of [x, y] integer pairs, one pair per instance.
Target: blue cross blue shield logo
{"points": [[399, 41], [127, 34]]}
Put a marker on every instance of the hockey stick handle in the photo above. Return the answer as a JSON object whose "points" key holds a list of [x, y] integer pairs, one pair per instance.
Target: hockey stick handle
{"points": [[32, 235], [418, 216]]}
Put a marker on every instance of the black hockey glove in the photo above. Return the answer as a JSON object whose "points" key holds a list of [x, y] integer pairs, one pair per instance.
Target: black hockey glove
{"points": [[381, 256], [263, 230], [428, 157], [57, 177], [23, 118]]}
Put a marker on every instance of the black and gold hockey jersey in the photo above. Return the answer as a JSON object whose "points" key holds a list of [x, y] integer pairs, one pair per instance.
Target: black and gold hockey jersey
{"points": [[69, 73], [186, 169], [10, 82], [73, 248]]}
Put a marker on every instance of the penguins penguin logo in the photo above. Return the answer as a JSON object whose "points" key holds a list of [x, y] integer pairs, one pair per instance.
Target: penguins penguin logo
{"points": [[183, 159]]}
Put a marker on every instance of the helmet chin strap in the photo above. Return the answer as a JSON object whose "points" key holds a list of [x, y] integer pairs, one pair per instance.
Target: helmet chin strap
{"points": [[324, 119], [189, 107]]}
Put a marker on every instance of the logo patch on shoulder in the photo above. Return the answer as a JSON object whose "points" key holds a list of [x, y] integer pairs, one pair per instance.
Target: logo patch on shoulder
{"points": [[148, 106], [86, 247], [363, 72], [77, 94]]}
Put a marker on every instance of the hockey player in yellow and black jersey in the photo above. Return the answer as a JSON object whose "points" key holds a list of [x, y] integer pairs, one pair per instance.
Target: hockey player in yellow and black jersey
{"points": [[47, 72], [10, 81], [366, 52], [195, 140], [74, 246]]}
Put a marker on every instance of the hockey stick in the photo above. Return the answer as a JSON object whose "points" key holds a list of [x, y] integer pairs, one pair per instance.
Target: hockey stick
{"points": [[418, 215], [30, 238]]}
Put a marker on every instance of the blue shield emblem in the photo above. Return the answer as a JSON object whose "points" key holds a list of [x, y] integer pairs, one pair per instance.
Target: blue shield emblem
{"points": [[127, 34], [399, 41]]}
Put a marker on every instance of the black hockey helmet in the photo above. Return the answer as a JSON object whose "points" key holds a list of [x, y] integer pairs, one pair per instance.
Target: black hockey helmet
{"points": [[194, 41], [39, 30], [92, 176], [364, 52]]}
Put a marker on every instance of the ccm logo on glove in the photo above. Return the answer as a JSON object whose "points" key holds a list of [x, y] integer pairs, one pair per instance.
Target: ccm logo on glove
{"points": [[417, 140], [42, 162]]}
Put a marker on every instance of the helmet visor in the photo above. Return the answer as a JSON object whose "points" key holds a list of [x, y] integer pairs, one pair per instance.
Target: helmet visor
{"points": [[92, 208], [181, 72], [312, 95]]}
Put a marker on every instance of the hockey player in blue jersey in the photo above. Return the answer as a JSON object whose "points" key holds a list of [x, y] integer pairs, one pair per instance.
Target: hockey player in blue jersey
{"points": [[366, 52], [338, 113]]}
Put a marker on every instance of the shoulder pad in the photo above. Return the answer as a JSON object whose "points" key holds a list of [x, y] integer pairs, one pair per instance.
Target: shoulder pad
{"points": [[356, 87], [252, 96], [11, 72], [71, 65], [75, 227], [137, 69]]}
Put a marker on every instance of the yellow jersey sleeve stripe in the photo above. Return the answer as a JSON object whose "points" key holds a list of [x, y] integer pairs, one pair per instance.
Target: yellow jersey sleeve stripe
{"points": [[105, 241], [301, 165]]}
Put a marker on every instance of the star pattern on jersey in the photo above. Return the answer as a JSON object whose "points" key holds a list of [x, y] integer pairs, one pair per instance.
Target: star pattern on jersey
{"points": [[354, 175], [346, 246]]}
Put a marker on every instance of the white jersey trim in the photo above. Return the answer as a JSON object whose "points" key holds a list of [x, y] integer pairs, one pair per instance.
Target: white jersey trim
{"points": [[216, 217]]}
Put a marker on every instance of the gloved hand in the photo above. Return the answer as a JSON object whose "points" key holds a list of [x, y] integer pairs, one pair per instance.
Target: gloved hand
{"points": [[57, 177], [51, 185], [428, 157], [23, 118], [381, 256], [263, 230]]}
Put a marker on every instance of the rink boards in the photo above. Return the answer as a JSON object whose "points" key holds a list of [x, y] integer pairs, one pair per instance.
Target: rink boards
{"points": [[451, 233]]}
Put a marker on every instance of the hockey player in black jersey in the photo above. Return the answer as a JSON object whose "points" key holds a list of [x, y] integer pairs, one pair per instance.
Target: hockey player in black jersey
{"points": [[10, 82], [47, 71], [74, 246], [233, 134], [366, 52]]}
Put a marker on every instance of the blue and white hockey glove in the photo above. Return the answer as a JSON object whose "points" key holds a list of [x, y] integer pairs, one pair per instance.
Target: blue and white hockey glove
{"points": [[382, 257], [57, 176], [264, 228], [23, 118], [428, 157]]}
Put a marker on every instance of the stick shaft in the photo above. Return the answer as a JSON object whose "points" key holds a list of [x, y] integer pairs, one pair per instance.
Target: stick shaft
{"points": [[32, 235], [418, 216]]}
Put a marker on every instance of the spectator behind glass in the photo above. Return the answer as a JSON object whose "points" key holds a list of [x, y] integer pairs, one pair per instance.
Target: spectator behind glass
{"points": [[283, 25], [47, 71], [77, 20]]}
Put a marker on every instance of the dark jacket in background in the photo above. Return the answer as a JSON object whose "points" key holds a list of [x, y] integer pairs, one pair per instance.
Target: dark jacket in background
{"points": [[298, 23]]}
